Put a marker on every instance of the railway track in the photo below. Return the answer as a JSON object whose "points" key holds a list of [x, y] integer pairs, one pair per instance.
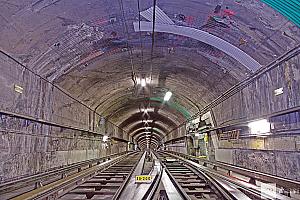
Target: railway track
{"points": [[191, 183], [114, 180], [106, 184], [194, 182]]}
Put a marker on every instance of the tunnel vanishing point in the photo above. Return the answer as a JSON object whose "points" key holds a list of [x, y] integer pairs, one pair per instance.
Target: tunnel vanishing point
{"points": [[156, 99]]}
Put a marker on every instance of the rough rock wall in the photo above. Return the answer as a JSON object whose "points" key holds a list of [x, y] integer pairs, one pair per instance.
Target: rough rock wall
{"points": [[279, 163], [28, 147], [178, 147], [258, 98], [279, 153]]}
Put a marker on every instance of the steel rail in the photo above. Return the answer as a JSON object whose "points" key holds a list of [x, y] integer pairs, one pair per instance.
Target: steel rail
{"points": [[153, 187], [252, 174], [151, 192], [219, 188], [111, 176], [177, 186], [58, 173], [250, 190], [60, 185], [122, 187]]}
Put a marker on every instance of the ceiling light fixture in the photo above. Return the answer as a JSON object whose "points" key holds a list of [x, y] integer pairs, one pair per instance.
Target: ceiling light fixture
{"points": [[259, 127], [143, 82], [168, 96], [105, 138], [147, 132], [145, 110], [147, 121]]}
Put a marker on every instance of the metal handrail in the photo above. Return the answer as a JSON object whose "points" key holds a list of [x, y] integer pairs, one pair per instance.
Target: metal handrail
{"points": [[252, 174]]}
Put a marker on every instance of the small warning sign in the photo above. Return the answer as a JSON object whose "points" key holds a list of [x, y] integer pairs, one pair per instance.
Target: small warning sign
{"points": [[143, 179]]}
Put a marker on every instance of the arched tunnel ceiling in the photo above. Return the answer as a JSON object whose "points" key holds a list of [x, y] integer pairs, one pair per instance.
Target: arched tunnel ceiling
{"points": [[89, 49]]}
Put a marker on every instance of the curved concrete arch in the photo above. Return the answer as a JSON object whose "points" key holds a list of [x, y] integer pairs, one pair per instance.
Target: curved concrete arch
{"points": [[151, 145], [151, 142], [154, 126], [143, 128], [142, 138], [153, 134], [160, 124], [135, 118]]}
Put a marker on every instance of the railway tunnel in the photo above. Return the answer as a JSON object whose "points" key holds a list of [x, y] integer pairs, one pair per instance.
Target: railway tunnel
{"points": [[132, 99]]}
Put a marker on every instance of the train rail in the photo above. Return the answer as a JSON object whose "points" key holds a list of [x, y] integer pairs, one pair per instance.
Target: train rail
{"points": [[25, 184], [106, 176], [187, 168], [106, 184], [173, 177], [192, 184]]}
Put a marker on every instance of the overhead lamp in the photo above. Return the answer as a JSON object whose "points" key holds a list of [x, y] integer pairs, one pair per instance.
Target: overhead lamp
{"points": [[147, 132], [259, 127], [147, 121], [167, 96], [145, 110], [143, 82], [105, 138]]}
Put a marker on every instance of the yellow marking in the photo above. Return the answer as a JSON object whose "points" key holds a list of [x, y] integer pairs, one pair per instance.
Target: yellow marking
{"points": [[201, 156], [143, 178]]}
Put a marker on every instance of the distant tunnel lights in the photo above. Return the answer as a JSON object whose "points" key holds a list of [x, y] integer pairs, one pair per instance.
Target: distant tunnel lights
{"points": [[168, 96], [147, 121], [147, 132], [259, 127], [147, 110]]}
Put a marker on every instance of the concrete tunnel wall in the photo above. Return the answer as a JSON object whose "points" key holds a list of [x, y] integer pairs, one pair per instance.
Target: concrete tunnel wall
{"points": [[277, 154], [28, 147]]}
